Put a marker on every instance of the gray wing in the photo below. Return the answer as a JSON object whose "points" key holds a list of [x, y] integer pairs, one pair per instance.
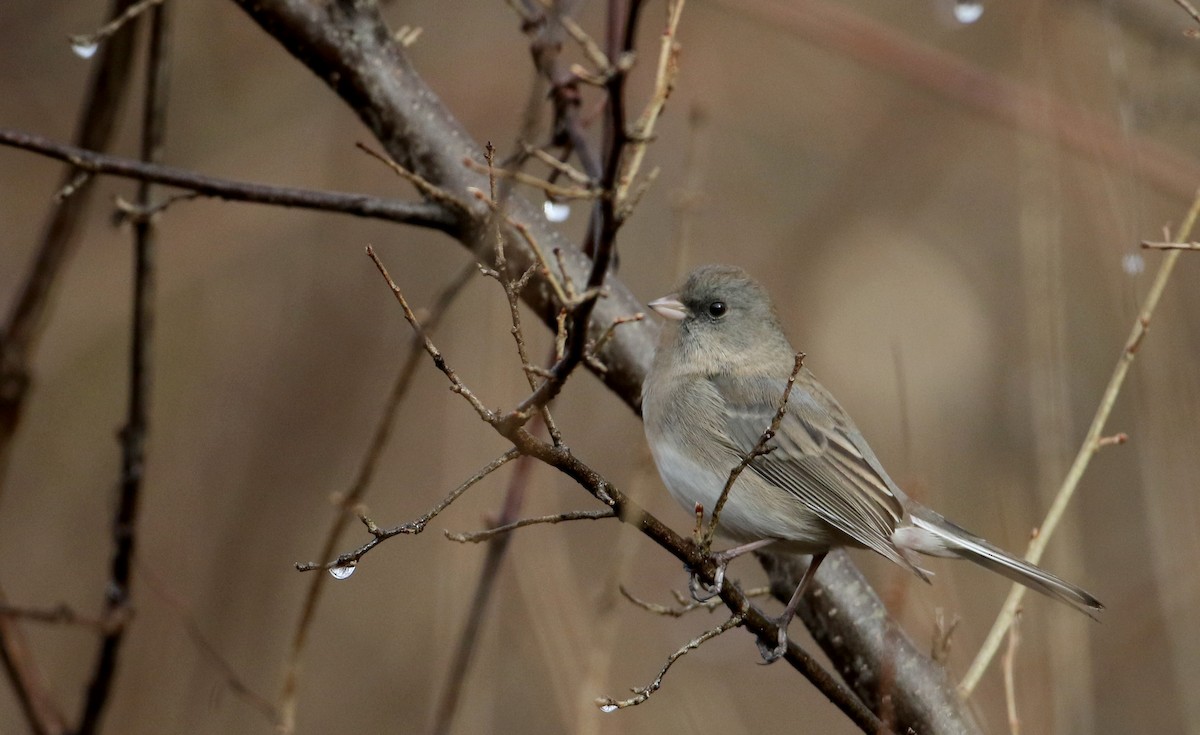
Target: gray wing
{"points": [[818, 456]]}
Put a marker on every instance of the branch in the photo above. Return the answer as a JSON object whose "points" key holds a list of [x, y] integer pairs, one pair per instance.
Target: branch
{"points": [[850, 624], [343, 566], [574, 515], [641, 694], [118, 593], [421, 214], [1092, 443], [759, 449]]}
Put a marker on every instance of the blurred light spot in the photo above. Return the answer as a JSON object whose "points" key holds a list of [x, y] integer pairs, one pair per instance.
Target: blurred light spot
{"points": [[556, 211], [1133, 264], [967, 12], [609, 708]]}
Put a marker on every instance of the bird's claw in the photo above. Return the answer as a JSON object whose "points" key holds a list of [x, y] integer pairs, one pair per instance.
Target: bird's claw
{"points": [[771, 655], [701, 591]]}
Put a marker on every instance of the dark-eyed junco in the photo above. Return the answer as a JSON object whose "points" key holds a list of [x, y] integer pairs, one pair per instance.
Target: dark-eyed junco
{"points": [[717, 381]]}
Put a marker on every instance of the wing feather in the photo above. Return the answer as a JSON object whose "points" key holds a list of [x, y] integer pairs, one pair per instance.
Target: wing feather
{"points": [[818, 456]]}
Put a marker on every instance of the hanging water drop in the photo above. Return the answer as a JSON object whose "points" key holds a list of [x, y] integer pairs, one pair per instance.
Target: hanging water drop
{"points": [[967, 11], [343, 571], [609, 708], [84, 48], [556, 211]]}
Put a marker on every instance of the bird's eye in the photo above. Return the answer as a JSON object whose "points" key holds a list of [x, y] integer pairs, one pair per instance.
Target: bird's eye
{"points": [[717, 309]]}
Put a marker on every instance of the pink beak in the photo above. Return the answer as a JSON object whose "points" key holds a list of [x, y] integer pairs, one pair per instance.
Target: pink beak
{"points": [[669, 307]]}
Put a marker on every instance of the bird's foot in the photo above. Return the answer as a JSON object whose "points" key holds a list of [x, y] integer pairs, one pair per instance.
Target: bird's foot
{"points": [[701, 590], [771, 655]]}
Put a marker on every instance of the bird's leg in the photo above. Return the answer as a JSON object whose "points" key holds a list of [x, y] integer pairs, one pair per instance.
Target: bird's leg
{"points": [[771, 655], [700, 591]]}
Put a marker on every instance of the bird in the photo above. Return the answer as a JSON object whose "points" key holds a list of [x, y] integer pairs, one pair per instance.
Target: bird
{"points": [[717, 380]]}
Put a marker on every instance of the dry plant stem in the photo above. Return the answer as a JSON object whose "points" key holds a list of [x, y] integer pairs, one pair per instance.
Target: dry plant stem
{"points": [[422, 214], [1010, 685], [206, 646], [641, 694], [411, 528], [1189, 9], [362, 480], [664, 82], [574, 515], [1092, 443], [759, 449], [118, 594]]}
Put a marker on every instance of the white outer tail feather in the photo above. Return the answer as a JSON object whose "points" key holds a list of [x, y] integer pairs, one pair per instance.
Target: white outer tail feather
{"points": [[966, 545]]}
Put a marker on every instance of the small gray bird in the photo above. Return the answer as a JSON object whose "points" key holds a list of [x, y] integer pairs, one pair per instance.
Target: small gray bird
{"points": [[717, 381]]}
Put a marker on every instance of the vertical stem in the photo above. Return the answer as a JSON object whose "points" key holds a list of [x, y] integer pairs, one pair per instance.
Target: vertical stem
{"points": [[133, 435]]}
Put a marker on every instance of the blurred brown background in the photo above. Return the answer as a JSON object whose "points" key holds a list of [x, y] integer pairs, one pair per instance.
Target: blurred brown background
{"points": [[963, 286]]}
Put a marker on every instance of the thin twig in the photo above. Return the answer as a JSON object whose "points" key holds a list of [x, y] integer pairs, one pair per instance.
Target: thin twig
{"points": [[1010, 686], [558, 166], [1091, 445], [758, 450], [429, 191], [475, 537], [685, 605], [456, 385], [421, 214], [344, 563], [641, 694], [366, 471], [118, 590], [1151, 245], [552, 190], [564, 297], [91, 40]]}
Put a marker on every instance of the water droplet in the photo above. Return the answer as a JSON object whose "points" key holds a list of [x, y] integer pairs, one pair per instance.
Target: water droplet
{"points": [[967, 11], [609, 708], [85, 49], [1133, 264], [344, 571], [556, 211]]}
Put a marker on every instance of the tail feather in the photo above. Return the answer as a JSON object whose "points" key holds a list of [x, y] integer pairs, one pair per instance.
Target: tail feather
{"points": [[968, 546]]}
